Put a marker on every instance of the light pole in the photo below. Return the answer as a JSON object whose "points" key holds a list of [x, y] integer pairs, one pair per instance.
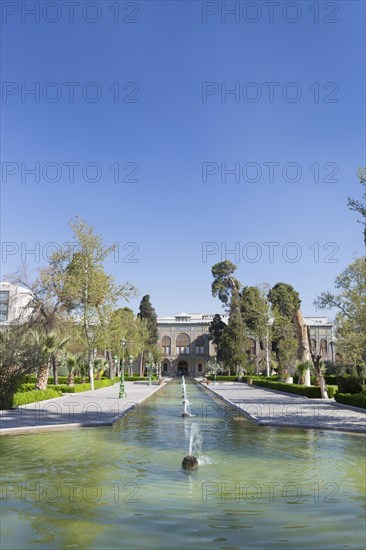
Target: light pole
{"points": [[115, 359], [122, 390], [130, 365]]}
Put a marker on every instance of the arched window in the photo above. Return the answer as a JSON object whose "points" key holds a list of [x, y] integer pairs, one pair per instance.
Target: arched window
{"points": [[166, 345], [200, 345], [323, 345], [165, 367], [182, 343], [313, 345], [199, 367]]}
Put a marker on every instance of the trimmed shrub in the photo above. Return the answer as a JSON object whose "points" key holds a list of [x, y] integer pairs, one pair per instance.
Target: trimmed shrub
{"points": [[23, 398], [353, 399], [222, 378], [331, 379], [63, 380], [349, 384], [133, 378], [26, 386], [78, 388], [30, 378], [308, 391]]}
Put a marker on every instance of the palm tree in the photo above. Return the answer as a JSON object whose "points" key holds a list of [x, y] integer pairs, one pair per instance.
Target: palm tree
{"points": [[71, 362], [47, 345], [99, 366]]}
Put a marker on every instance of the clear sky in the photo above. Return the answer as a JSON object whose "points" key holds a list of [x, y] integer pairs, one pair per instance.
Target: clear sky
{"points": [[145, 86]]}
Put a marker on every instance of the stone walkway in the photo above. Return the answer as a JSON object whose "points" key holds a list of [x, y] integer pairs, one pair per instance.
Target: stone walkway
{"points": [[87, 409], [270, 408]]}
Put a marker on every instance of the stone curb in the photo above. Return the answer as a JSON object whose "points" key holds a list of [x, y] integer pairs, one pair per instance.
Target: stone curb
{"points": [[62, 426], [312, 426]]}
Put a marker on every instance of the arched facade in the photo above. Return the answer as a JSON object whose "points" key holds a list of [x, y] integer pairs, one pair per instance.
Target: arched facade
{"points": [[183, 342], [324, 346], [166, 344], [185, 337]]}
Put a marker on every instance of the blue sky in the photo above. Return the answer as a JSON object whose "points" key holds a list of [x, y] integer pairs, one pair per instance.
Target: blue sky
{"points": [[172, 127]]}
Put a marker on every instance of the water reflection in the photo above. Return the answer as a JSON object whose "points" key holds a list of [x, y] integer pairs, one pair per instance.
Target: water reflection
{"points": [[107, 487]]}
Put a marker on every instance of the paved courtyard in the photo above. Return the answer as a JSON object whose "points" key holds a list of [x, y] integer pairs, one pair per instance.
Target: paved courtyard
{"points": [[100, 407], [270, 408]]}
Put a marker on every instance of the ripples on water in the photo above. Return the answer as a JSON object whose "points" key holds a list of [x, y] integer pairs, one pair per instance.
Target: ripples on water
{"points": [[256, 487]]}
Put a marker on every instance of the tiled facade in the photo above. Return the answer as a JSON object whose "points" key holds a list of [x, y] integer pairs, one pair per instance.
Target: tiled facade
{"points": [[185, 342]]}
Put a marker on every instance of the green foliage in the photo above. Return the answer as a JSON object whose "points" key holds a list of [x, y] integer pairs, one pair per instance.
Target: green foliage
{"points": [[78, 388], [331, 379], [148, 313], [222, 378], [301, 368], [23, 398], [349, 384], [285, 342], [284, 299], [63, 380], [26, 386], [134, 378], [18, 357], [44, 345], [216, 329], [224, 283], [307, 391], [234, 341], [350, 300], [254, 309], [359, 206], [352, 399]]}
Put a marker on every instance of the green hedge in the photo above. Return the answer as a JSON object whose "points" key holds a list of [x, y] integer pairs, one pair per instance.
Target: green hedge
{"points": [[222, 378], [133, 378], [78, 388], [349, 384], [23, 398], [64, 379], [331, 379], [353, 399], [64, 388], [308, 391]]}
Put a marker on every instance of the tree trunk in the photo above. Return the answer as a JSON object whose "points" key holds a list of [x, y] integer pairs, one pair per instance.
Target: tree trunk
{"points": [[42, 378], [302, 336], [54, 369], [142, 367], [112, 374], [70, 379], [91, 371], [304, 345], [317, 366]]}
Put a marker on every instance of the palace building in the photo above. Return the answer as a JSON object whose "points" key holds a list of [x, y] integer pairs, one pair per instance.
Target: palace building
{"points": [[185, 342]]}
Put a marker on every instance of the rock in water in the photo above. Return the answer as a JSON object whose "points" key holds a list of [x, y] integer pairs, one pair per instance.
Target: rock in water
{"points": [[189, 462]]}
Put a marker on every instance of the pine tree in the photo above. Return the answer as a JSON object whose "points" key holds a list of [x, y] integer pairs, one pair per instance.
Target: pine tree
{"points": [[234, 339], [148, 313], [216, 329]]}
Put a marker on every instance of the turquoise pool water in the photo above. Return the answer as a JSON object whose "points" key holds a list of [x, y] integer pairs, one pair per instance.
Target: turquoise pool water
{"points": [[123, 487]]}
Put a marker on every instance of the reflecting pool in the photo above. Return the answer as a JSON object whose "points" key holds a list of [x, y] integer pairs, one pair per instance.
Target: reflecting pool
{"points": [[123, 486]]}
